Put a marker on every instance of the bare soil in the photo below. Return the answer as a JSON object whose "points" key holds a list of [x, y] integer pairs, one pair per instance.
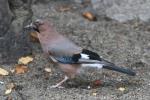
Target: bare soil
{"points": [[125, 44]]}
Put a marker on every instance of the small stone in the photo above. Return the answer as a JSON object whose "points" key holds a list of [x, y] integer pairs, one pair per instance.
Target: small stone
{"points": [[89, 87], [48, 69], [121, 89], [94, 94]]}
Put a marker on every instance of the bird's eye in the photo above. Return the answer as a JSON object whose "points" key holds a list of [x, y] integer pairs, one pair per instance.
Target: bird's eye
{"points": [[38, 22]]}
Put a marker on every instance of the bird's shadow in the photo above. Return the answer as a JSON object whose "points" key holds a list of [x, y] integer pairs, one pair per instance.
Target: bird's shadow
{"points": [[101, 83]]}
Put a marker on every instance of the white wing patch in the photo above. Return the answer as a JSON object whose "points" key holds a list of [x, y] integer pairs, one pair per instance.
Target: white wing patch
{"points": [[53, 59], [84, 56], [99, 66]]}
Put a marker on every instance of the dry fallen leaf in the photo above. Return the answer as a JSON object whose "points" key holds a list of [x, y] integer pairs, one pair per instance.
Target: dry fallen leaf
{"points": [[34, 37], [3, 72], [8, 91], [21, 69], [89, 16], [25, 60], [47, 69], [121, 89]]}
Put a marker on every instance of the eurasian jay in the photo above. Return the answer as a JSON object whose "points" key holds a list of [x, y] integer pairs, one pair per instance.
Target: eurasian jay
{"points": [[69, 57]]}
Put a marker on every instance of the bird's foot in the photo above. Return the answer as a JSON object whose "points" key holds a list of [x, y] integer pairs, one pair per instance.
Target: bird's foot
{"points": [[56, 86]]}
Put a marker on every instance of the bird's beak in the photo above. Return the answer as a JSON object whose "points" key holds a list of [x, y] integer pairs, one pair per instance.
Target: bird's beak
{"points": [[30, 26], [34, 25]]}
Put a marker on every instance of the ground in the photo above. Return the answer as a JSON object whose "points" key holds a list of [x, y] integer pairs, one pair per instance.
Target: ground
{"points": [[123, 43]]}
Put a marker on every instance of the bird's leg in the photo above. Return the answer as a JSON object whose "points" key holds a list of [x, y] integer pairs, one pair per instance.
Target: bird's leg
{"points": [[58, 85]]}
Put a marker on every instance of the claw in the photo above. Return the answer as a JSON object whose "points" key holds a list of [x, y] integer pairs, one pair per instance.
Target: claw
{"points": [[58, 85]]}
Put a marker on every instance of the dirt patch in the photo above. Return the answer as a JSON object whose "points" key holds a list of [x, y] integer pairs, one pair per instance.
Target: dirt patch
{"points": [[125, 44]]}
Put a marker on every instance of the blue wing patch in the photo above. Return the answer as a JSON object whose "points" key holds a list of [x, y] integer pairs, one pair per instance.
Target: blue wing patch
{"points": [[77, 58], [65, 60]]}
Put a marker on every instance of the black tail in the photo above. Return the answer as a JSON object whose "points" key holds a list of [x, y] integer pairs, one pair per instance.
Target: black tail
{"points": [[120, 69]]}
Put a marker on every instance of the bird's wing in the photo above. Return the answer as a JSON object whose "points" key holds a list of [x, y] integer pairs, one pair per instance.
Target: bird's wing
{"points": [[86, 56]]}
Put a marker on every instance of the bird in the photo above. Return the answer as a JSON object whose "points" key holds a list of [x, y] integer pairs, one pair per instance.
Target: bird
{"points": [[69, 57]]}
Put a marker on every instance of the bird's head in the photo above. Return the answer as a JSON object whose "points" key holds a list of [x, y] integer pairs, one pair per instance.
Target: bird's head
{"points": [[39, 25]]}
